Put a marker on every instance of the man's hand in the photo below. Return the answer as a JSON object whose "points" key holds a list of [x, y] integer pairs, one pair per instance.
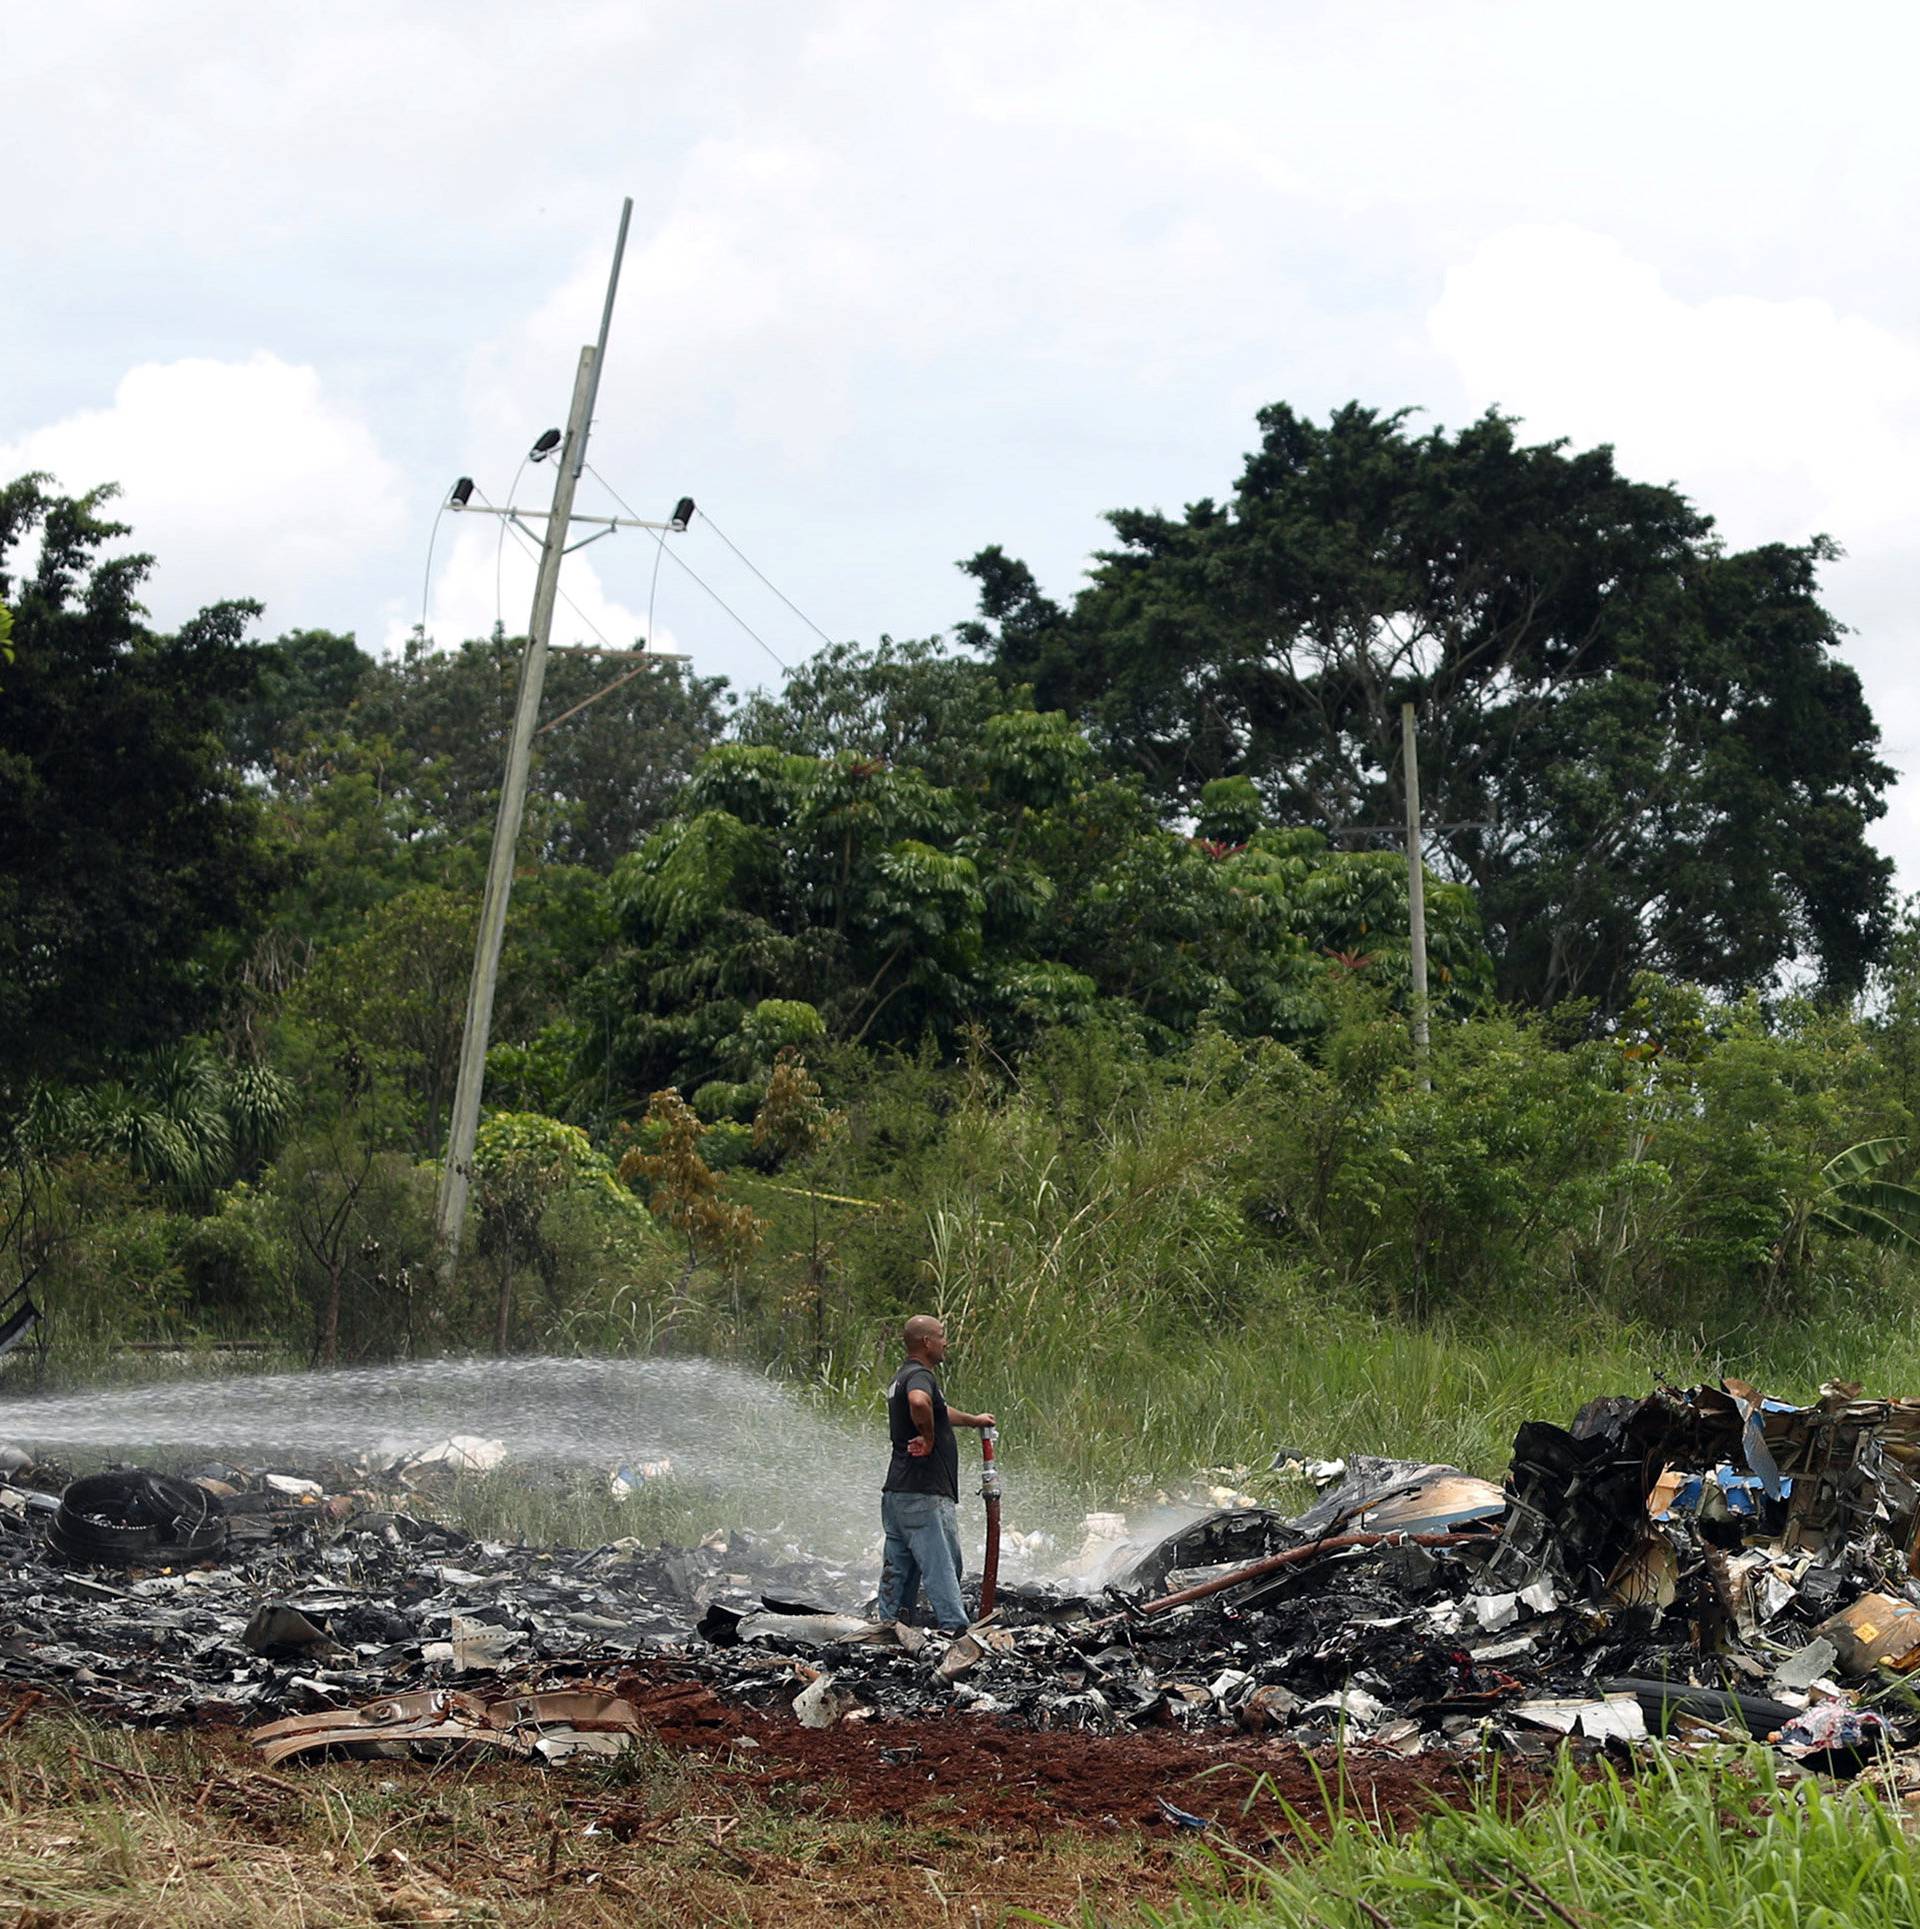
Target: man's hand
{"points": [[918, 1449], [985, 1420]]}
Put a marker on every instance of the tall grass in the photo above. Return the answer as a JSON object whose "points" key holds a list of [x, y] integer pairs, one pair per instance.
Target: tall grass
{"points": [[1122, 1410], [1114, 1297], [1685, 1845]]}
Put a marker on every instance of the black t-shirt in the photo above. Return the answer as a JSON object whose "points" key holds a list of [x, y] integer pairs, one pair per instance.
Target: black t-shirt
{"points": [[934, 1473]]}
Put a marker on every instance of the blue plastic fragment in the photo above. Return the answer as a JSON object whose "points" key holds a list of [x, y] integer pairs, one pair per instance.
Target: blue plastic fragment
{"points": [[1180, 1817]]}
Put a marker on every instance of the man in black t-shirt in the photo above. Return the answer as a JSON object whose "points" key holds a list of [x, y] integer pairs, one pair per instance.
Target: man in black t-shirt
{"points": [[919, 1506]]}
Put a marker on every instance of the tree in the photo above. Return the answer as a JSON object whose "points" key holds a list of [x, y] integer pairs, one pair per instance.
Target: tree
{"points": [[132, 871], [795, 1126], [185, 1122], [525, 1166], [1038, 889], [683, 1192], [1638, 747], [304, 685], [323, 1190], [398, 994], [359, 1224], [897, 703], [601, 780], [1856, 1202]]}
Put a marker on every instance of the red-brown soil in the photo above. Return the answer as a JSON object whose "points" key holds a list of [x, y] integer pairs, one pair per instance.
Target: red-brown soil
{"points": [[978, 1772]]}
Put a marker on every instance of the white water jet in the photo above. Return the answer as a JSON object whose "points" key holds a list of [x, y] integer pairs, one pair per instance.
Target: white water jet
{"points": [[765, 1458]]}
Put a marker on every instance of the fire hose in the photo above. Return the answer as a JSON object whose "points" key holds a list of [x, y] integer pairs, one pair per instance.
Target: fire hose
{"points": [[990, 1493]]}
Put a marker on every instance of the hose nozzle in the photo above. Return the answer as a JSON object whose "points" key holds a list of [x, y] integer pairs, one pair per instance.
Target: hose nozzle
{"points": [[989, 1473]]}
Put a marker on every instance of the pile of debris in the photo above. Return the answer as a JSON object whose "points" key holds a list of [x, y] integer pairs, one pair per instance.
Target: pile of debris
{"points": [[1707, 1561], [230, 1595]]}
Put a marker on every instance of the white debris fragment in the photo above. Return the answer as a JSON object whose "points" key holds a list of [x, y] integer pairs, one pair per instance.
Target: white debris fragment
{"points": [[460, 1453], [820, 1704], [1355, 1704], [1511, 1649], [630, 1476], [1617, 1717], [1804, 1670], [1496, 1611]]}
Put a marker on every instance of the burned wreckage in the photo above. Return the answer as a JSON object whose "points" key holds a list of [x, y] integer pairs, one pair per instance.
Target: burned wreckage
{"points": [[1707, 1562]]}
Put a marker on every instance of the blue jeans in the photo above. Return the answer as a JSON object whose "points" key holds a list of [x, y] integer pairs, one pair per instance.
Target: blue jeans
{"points": [[923, 1549]]}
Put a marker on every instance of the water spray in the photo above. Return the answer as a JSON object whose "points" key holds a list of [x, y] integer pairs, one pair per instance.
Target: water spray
{"points": [[990, 1493]]}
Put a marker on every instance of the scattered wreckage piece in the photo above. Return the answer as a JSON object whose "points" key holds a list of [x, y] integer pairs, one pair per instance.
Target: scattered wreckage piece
{"points": [[438, 1721], [119, 1518], [323, 1598], [1294, 1557], [1696, 1565], [1877, 1631]]}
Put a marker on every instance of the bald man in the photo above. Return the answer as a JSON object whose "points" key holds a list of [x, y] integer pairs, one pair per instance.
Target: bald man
{"points": [[919, 1506]]}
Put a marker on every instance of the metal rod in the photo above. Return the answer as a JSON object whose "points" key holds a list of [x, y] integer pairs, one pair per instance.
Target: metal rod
{"points": [[1293, 1556], [585, 703], [606, 321], [610, 522]]}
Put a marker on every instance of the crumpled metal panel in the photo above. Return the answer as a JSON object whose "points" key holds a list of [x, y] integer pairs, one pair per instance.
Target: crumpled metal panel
{"points": [[437, 1720]]}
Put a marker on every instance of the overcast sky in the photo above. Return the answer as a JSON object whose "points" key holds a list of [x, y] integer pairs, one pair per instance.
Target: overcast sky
{"points": [[905, 280]]}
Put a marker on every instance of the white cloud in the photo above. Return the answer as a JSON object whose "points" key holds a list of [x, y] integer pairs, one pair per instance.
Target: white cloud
{"points": [[242, 479], [745, 297], [1782, 418]]}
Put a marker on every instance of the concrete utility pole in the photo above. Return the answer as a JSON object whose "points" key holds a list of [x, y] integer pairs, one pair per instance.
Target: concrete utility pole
{"points": [[1416, 894], [456, 1176]]}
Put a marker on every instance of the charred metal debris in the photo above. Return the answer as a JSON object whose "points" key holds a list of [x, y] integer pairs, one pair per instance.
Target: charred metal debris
{"points": [[1703, 1562]]}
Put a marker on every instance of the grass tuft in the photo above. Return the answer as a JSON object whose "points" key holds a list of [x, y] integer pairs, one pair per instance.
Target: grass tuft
{"points": [[1686, 1844]]}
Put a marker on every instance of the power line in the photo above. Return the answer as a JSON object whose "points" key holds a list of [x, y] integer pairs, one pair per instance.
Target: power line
{"points": [[675, 558], [500, 550], [653, 581], [426, 580], [691, 571], [507, 523], [707, 518]]}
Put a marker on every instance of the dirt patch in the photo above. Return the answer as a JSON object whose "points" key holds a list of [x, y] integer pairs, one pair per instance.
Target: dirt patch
{"points": [[731, 1814], [1022, 1783]]}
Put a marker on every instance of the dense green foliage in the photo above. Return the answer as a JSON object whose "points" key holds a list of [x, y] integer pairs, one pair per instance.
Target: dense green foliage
{"points": [[133, 864], [1640, 746], [1035, 890], [1007, 984]]}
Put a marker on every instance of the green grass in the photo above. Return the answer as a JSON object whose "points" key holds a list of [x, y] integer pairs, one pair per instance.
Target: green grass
{"points": [[1132, 1413], [1683, 1845], [556, 1507], [1121, 1409]]}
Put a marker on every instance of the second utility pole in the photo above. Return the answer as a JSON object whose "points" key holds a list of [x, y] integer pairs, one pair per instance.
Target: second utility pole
{"points": [[1416, 895]]}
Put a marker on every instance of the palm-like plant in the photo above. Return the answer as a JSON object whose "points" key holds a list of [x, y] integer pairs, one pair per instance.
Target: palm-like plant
{"points": [[1854, 1202], [184, 1125]]}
